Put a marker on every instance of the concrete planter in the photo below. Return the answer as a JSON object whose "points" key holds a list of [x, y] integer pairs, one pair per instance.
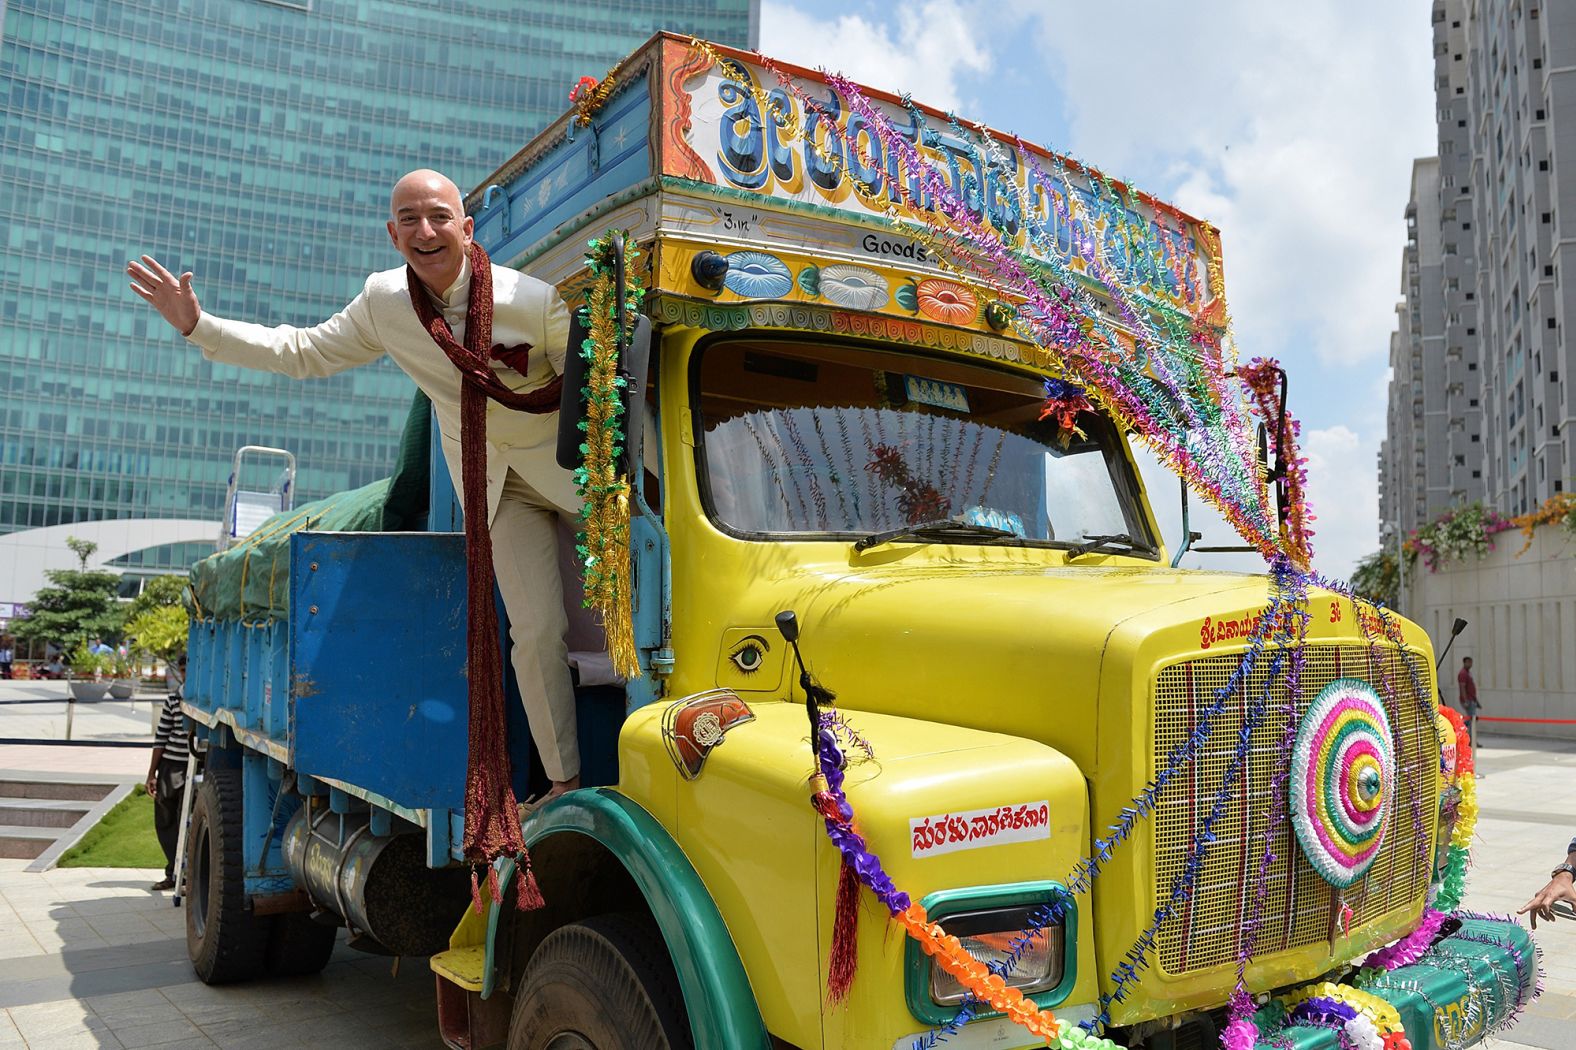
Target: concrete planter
{"points": [[123, 688], [88, 689]]}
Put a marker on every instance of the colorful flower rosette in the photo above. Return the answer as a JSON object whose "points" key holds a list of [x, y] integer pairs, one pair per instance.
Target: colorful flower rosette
{"points": [[1342, 780]]}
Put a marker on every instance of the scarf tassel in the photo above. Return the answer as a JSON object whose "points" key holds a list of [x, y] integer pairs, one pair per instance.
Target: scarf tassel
{"points": [[844, 960], [530, 894]]}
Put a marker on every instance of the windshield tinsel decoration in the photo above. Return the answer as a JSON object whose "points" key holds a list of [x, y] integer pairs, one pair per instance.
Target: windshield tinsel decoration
{"points": [[602, 546], [1167, 372], [1064, 403]]}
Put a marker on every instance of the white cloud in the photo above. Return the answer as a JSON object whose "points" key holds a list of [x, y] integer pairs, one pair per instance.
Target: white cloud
{"points": [[1292, 127], [925, 52], [1343, 490]]}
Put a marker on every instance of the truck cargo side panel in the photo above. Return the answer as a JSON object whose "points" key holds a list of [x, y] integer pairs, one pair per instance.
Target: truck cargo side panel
{"points": [[377, 651]]}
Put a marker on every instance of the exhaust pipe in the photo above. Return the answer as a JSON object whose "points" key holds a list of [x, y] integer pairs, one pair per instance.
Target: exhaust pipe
{"points": [[379, 884]]}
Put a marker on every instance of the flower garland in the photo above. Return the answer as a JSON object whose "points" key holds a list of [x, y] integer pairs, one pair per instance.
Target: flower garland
{"points": [[1470, 529], [603, 543], [1453, 885], [833, 805]]}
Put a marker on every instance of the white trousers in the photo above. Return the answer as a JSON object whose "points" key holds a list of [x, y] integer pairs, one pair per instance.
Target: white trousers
{"points": [[525, 561]]}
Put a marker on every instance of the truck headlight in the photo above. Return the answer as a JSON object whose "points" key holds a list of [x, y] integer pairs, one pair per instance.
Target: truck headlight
{"points": [[991, 937]]}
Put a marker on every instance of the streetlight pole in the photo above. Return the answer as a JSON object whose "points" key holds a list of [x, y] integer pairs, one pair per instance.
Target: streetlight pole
{"points": [[1400, 567], [1400, 560]]}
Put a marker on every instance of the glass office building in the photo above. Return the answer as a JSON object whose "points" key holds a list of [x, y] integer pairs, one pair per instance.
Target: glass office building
{"points": [[253, 142]]}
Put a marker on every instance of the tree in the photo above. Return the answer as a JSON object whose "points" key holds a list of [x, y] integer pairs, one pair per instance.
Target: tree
{"points": [[159, 592], [80, 604], [1376, 579], [160, 630]]}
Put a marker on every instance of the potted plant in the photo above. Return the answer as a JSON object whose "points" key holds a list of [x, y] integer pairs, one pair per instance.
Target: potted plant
{"points": [[87, 674], [124, 684]]}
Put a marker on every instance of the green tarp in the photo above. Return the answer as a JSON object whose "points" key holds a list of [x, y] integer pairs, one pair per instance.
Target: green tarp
{"points": [[251, 580]]}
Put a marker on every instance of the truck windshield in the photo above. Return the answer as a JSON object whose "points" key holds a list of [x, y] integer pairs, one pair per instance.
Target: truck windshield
{"points": [[806, 437]]}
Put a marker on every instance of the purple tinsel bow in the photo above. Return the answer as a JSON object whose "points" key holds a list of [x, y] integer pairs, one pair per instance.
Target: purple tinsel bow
{"points": [[1325, 1013], [841, 831]]}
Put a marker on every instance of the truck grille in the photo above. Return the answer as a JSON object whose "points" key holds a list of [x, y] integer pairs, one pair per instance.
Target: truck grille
{"points": [[1300, 908]]}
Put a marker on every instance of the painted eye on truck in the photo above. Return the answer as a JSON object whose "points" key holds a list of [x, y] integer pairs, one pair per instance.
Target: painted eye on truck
{"points": [[750, 653]]}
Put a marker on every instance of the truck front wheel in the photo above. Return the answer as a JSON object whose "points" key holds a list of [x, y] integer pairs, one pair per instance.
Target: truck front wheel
{"points": [[605, 983], [225, 940]]}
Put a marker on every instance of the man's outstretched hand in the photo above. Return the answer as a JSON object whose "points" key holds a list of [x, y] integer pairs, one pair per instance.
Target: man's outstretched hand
{"points": [[170, 295], [1560, 888]]}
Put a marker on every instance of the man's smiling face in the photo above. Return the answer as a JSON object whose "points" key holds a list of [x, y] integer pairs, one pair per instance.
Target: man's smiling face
{"points": [[430, 228]]}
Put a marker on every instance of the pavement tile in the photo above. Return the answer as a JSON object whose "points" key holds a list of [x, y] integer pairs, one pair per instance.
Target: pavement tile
{"points": [[222, 1011], [9, 1036], [159, 1034], [124, 1009], [45, 1023], [247, 1035]]}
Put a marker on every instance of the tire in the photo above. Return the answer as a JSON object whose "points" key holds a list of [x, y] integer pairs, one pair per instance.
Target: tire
{"points": [[225, 941], [605, 983], [299, 945]]}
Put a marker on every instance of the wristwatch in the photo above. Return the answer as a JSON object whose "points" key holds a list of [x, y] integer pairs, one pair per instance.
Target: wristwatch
{"points": [[1565, 869]]}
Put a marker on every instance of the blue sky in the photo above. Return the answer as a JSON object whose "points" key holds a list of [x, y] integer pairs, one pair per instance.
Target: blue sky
{"points": [[1292, 127]]}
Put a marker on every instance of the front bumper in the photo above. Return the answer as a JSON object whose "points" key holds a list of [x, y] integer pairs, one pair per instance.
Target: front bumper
{"points": [[1471, 984]]}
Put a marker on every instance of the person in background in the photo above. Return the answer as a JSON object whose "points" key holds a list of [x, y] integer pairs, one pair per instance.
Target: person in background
{"points": [[167, 770], [1561, 888], [98, 646], [1467, 697], [7, 656]]}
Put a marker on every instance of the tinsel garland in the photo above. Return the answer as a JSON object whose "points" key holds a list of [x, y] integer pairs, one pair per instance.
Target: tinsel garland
{"points": [[1286, 597], [589, 95], [1241, 1029], [833, 805], [1410, 948], [976, 252], [1163, 377], [1064, 403], [603, 544]]}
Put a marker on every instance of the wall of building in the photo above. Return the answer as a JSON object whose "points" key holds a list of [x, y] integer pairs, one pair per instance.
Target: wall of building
{"points": [[1521, 616], [254, 144], [1523, 115]]}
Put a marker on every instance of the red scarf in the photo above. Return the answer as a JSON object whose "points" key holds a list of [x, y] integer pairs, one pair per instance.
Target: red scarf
{"points": [[492, 817]]}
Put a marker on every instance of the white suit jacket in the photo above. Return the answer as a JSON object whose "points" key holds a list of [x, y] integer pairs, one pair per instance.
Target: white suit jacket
{"points": [[381, 320]]}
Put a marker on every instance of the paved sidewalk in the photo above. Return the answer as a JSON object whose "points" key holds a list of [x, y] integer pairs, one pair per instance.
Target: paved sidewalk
{"points": [[90, 957]]}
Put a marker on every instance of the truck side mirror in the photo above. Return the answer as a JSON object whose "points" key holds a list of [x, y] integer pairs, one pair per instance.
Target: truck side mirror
{"points": [[633, 365]]}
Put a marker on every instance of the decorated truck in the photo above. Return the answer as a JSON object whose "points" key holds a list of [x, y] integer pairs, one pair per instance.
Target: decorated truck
{"points": [[901, 726]]}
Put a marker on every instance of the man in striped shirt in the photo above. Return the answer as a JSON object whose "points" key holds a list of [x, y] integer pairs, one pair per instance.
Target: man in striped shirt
{"points": [[167, 771]]}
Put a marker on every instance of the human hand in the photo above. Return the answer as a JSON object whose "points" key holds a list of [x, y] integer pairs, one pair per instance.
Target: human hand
{"points": [[170, 295], [1561, 887], [152, 785]]}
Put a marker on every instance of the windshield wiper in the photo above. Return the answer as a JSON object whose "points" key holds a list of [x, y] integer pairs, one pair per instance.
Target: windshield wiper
{"points": [[1121, 542], [940, 529]]}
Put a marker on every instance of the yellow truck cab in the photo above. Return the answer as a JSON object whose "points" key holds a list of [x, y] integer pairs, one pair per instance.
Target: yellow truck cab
{"points": [[820, 416]]}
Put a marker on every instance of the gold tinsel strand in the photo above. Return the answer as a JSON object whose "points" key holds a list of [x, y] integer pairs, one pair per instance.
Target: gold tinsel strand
{"points": [[604, 516]]}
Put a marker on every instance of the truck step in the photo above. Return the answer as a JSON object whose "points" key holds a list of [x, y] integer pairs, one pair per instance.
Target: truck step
{"points": [[461, 966]]}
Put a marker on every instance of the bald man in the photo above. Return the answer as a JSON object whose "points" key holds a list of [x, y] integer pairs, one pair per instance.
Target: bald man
{"points": [[527, 491]]}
